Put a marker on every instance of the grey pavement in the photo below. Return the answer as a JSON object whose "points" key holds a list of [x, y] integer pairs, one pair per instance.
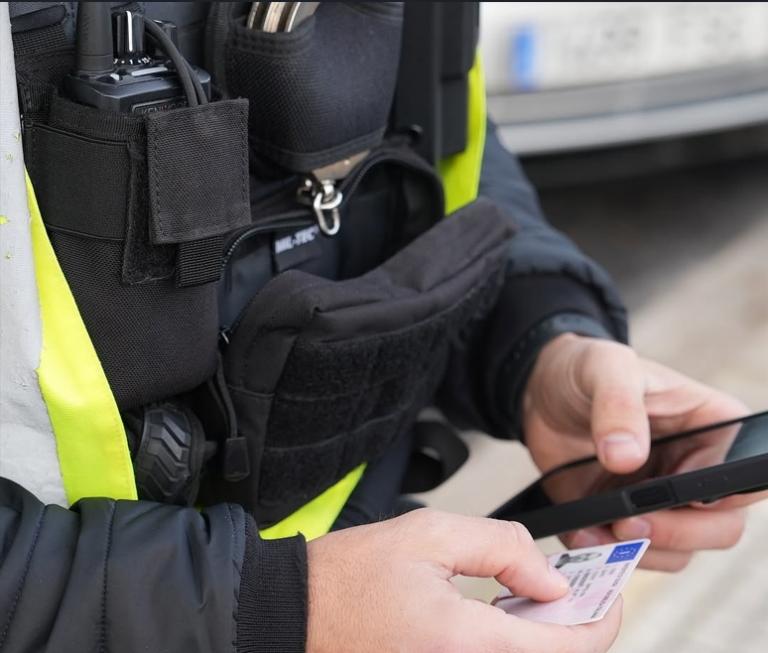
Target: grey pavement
{"points": [[689, 250]]}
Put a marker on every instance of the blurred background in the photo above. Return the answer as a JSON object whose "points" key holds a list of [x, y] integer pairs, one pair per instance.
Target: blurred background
{"points": [[645, 128]]}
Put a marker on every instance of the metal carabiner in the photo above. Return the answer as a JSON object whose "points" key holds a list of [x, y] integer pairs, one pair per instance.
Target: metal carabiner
{"points": [[328, 200]]}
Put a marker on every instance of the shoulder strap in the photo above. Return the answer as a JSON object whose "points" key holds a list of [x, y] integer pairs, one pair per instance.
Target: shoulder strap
{"points": [[438, 52]]}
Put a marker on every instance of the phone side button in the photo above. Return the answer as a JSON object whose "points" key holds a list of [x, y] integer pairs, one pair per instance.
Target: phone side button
{"points": [[651, 497]]}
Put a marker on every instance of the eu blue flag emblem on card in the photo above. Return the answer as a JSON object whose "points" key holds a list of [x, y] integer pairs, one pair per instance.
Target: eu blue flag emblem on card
{"points": [[624, 552]]}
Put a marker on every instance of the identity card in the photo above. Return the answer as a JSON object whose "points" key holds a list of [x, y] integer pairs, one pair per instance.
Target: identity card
{"points": [[597, 575]]}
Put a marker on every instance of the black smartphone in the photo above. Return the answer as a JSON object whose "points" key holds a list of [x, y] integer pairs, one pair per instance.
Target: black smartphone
{"points": [[582, 493]]}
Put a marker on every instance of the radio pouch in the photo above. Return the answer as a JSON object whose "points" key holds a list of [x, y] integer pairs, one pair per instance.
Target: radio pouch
{"points": [[137, 207]]}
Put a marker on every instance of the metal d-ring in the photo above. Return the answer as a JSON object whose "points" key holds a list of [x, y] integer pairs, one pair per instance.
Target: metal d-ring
{"points": [[329, 200]]}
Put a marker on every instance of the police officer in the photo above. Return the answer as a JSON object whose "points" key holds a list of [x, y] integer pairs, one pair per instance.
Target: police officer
{"points": [[126, 576]]}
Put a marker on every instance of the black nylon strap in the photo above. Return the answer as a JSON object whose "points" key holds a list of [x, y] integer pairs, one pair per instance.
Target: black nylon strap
{"points": [[438, 453], [199, 261], [60, 162], [39, 40], [32, 15], [37, 27], [197, 160], [439, 42]]}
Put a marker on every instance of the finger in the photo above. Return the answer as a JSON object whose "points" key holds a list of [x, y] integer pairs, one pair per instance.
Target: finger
{"points": [[685, 529], [588, 537], [502, 632], [486, 548], [615, 380], [735, 501], [658, 560]]}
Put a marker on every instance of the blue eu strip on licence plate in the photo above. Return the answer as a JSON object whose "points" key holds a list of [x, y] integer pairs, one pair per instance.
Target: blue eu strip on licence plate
{"points": [[522, 63]]}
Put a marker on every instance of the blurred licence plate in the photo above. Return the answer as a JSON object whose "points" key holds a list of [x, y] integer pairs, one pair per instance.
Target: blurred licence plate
{"points": [[592, 43]]}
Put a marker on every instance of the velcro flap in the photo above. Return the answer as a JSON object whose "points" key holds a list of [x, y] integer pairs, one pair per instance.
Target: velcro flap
{"points": [[198, 171]]}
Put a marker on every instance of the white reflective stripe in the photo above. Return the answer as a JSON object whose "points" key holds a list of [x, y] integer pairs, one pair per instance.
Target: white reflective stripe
{"points": [[27, 444]]}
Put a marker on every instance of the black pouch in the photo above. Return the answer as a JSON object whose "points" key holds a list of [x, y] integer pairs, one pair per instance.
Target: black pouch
{"points": [[137, 207], [317, 94], [388, 200], [325, 375]]}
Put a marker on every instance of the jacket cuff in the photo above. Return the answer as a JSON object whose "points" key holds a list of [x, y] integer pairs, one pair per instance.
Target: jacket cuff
{"points": [[272, 607], [525, 303], [520, 363]]}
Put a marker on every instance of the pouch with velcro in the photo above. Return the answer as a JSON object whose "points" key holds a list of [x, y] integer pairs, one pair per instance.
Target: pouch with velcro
{"points": [[137, 207], [325, 375]]}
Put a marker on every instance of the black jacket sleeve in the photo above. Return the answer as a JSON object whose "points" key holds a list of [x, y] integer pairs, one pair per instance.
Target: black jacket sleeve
{"points": [[128, 576], [546, 275]]}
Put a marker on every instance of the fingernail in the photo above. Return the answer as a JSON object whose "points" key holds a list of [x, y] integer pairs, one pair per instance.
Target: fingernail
{"points": [[584, 539], [633, 529], [619, 447], [560, 580]]}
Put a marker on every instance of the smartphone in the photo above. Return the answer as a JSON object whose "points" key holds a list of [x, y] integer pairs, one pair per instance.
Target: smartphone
{"points": [[582, 493]]}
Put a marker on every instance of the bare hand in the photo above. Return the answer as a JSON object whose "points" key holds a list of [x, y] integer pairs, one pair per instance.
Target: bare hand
{"points": [[588, 396], [386, 588]]}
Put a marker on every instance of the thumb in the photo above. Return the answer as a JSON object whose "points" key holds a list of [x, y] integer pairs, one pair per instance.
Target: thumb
{"points": [[615, 380], [489, 548]]}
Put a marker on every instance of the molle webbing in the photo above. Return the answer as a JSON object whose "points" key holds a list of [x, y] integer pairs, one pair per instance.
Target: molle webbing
{"points": [[326, 375]]}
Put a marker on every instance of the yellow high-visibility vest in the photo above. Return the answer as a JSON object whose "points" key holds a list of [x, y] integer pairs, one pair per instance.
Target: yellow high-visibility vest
{"points": [[77, 447], [82, 437]]}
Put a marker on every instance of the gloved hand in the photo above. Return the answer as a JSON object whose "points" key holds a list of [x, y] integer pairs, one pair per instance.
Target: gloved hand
{"points": [[386, 587], [587, 396]]}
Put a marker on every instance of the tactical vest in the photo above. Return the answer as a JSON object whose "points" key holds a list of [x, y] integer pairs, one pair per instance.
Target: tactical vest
{"points": [[207, 303]]}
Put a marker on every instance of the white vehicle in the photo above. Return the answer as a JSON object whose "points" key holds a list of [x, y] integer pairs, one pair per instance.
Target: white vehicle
{"points": [[564, 77]]}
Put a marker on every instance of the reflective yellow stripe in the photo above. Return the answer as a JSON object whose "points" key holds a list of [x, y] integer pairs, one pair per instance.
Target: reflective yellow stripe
{"points": [[91, 443], [316, 517], [461, 172]]}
